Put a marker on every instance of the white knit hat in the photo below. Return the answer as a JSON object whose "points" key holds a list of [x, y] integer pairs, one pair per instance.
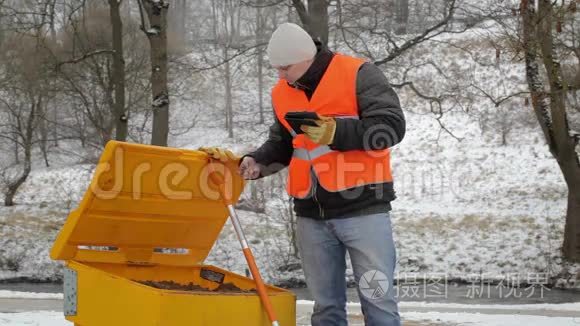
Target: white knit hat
{"points": [[290, 44]]}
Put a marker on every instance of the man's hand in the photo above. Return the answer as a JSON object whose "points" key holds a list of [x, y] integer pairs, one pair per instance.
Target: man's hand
{"points": [[221, 154], [249, 169], [323, 133]]}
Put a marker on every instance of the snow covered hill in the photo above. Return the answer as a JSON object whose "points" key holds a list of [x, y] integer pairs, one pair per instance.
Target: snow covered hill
{"points": [[468, 205]]}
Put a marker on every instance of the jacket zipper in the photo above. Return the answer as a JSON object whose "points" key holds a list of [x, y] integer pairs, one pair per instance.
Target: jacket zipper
{"points": [[315, 181]]}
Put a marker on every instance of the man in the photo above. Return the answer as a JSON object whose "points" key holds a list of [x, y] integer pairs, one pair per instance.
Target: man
{"points": [[338, 171]]}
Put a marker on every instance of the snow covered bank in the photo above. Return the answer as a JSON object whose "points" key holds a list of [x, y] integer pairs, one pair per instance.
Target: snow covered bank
{"points": [[5, 294]]}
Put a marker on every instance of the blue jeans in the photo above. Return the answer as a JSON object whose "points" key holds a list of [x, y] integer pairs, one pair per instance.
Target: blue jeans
{"points": [[369, 241]]}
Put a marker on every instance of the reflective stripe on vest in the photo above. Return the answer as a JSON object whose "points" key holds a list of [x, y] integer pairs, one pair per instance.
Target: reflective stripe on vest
{"points": [[335, 96], [304, 154]]}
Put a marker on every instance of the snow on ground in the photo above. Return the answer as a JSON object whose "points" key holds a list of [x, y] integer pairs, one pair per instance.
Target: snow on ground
{"points": [[466, 208], [52, 318], [33, 318], [463, 208], [6, 294], [408, 305], [489, 320], [537, 306]]}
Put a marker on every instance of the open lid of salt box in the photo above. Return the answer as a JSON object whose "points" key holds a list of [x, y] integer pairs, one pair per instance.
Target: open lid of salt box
{"points": [[149, 205]]}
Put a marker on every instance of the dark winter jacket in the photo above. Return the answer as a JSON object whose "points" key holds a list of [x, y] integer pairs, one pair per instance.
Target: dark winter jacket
{"points": [[381, 119]]}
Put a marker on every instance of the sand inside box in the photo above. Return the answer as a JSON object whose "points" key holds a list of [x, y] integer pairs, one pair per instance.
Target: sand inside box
{"points": [[171, 285]]}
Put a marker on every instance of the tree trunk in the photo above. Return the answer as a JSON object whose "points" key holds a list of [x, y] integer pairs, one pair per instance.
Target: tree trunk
{"points": [[504, 134], [288, 15], [550, 109], [261, 84], [565, 144], [52, 13], [445, 7], [571, 246], [214, 23], [314, 19], [1, 29], [14, 186], [259, 39], [318, 11], [16, 152], [402, 16], [43, 130], [157, 33], [184, 10], [293, 235], [121, 117], [54, 126], [81, 121], [228, 86], [27, 136]]}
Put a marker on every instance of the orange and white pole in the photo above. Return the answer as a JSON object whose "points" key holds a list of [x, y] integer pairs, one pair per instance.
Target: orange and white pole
{"points": [[260, 287], [253, 267]]}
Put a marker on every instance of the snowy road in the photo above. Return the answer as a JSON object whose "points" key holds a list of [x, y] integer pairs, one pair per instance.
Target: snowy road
{"points": [[8, 305], [18, 308]]}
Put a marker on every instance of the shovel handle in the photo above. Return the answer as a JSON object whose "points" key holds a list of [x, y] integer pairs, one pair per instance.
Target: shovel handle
{"points": [[260, 287]]}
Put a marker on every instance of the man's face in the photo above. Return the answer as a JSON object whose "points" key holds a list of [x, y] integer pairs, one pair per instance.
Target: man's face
{"points": [[291, 73]]}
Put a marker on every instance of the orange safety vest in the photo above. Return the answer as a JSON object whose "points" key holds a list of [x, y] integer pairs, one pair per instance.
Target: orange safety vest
{"points": [[335, 96]]}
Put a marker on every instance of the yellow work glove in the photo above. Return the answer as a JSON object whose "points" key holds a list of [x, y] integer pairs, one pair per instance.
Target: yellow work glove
{"points": [[221, 154], [323, 133]]}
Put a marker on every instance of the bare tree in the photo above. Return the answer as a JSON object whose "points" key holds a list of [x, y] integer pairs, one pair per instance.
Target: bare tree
{"points": [[260, 38], [226, 20], [32, 18], [118, 75], [156, 31], [22, 101], [314, 18], [107, 84], [549, 91], [86, 51]]}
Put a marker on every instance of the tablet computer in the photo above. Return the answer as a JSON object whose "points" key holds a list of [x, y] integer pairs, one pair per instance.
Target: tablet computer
{"points": [[298, 118]]}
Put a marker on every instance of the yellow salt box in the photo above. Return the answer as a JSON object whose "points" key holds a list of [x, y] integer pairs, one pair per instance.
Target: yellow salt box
{"points": [[152, 214]]}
